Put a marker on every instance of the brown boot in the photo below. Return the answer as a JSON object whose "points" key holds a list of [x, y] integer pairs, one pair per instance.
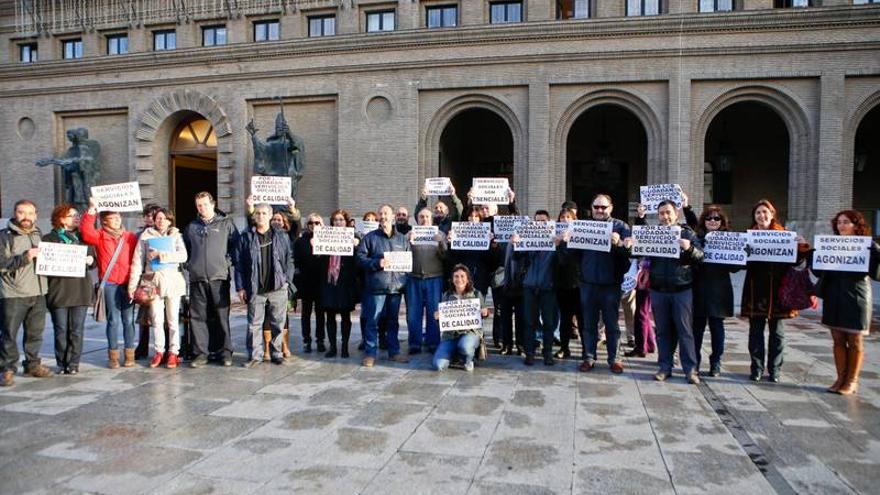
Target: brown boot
{"points": [[129, 358], [854, 357], [267, 340], [113, 359], [38, 371], [8, 379], [839, 351], [285, 344]]}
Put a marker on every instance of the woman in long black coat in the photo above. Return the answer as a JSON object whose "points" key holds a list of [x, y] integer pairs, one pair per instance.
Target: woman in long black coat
{"points": [[307, 279], [713, 292], [338, 289], [847, 303]]}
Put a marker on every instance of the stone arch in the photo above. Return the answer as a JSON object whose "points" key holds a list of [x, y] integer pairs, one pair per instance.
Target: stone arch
{"points": [[151, 141], [429, 162], [630, 101], [802, 186], [851, 127]]}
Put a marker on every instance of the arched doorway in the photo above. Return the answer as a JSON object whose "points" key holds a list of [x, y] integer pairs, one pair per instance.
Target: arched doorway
{"points": [[477, 142], [746, 158], [866, 168], [193, 162], [607, 152]]}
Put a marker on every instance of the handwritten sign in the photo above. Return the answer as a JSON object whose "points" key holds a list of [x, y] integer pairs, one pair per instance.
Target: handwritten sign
{"points": [[725, 248], [423, 235], [490, 191], [438, 186], [364, 227], [779, 246], [460, 314], [659, 241], [270, 189], [591, 235], [505, 225], [55, 259], [334, 241], [398, 261], [124, 196], [841, 253], [470, 236], [654, 194], [536, 236]]}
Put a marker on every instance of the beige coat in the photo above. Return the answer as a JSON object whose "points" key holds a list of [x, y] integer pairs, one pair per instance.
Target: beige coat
{"points": [[169, 281]]}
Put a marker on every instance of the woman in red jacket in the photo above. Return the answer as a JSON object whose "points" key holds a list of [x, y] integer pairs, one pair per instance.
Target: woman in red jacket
{"points": [[119, 307]]}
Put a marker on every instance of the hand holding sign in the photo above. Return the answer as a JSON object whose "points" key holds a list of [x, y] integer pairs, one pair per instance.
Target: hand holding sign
{"points": [[653, 195]]}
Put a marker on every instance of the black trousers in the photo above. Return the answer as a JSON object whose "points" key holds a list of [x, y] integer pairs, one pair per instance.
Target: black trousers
{"points": [[331, 327], [68, 324], [569, 301], [307, 306], [31, 312], [209, 317]]}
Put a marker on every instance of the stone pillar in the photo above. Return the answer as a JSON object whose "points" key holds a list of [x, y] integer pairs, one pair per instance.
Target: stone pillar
{"points": [[681, 167], [544, 180], [833, 196]]}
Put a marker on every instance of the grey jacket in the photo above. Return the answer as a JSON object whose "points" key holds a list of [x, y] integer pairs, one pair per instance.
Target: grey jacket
{"points": [[18, 275], [428, 260]]}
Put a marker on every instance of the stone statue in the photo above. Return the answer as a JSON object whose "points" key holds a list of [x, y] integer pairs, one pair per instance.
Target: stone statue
{"points": [[281, 154], [80, 167]]}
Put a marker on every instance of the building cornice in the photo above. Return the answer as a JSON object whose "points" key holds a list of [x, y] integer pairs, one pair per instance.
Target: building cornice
{"points": [[532, 32]]}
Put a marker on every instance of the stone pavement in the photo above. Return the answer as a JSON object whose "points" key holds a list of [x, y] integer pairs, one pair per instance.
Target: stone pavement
{"points": [[329, 426]]}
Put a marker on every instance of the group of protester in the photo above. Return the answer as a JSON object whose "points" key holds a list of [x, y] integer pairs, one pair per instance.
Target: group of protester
{"points": [[273, 260]]}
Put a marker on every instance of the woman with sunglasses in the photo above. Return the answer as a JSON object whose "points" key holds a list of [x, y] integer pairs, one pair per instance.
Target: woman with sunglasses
{"points": [[307, 279], [339, 289], [713, 292]]}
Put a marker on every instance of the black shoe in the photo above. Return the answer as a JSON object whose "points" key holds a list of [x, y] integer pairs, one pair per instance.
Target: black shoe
{"points": [[61, 370], [548, 361], [773, 378], [529, 360], [331, 353], [199, 361], [755, 376], [519, 351], [634, 353], [563, 354], [73, 369], [556, 341], [507, 351], [362, 346], [321, 347], [715, 370], [383, 346], [344, 352], [307, 347], [414, 350], [227, 361], [278, 360], [630, 343]]}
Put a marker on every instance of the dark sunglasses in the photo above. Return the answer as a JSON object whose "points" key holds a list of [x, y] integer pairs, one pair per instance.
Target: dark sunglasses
{"points": [[713, 219], [600, 207], [313, 223]]}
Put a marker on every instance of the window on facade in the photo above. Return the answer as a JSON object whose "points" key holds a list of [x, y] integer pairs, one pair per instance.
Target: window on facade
{"points": [[117, 44], [642, 7], [324, 25], [380, 21], [865, 2], [572, 9], [72, 48], [784, 4], [164, 40], [503, 12], [213, 35], [441, 16], [27, 53], [716, 5], [267, 30]]}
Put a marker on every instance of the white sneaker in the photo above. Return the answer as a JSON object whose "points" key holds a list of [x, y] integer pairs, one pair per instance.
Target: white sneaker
{"points": [[469, 366]]}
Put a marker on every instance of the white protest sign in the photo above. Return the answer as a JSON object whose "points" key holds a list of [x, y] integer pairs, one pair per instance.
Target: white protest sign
{"points": [[490, 191], [592, 235], [124, 196], [840, 253], [470, 236], [398, 261], [364, 227], [630, 277], [423, 235], [653, 194], [505, 225], [270, 189], [460, 314], [334, 241], [725, 248], [659, 241], [55, 259], [778, 246], [562, 228], [536, 236], [438, 186]]}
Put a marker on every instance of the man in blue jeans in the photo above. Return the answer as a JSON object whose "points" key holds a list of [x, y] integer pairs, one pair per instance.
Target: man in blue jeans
{"points": [[383, 288], [424, 287]]}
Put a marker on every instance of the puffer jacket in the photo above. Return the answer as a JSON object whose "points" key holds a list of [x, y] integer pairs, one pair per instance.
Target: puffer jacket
{"points": [[370, 252], [676, 274], [168, 280], [18, 274]]}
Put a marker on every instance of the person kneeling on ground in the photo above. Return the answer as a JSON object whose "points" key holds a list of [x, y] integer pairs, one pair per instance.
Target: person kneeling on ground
{"points": [[463, 341]]}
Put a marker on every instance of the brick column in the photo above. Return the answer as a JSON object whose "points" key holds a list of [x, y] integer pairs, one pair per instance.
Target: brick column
{"points": [[544, 179]]}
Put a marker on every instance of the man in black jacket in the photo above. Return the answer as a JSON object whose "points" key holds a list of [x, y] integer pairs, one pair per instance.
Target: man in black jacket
{"points": [[211, 241]]}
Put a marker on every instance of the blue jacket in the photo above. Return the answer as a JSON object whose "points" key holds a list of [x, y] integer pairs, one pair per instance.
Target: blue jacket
{"points": [[247, 270], [541, 267], [600, 268], [370, 252]]}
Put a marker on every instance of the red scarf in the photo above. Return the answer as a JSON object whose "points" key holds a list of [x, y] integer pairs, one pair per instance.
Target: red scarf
{"points": [[333, 269]]}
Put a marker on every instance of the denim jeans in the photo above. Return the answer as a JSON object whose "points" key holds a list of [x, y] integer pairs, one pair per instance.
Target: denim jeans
{"points": [[120, 311], [673, 315], [377, 307], [541, 310], [68, 324], [422, 300], [466, 344], [15, 312], [716, 330], [595, 299], [776, 341], [276, 303]]}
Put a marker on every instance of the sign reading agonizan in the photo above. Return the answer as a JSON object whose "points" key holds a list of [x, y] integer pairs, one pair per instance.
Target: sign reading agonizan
{"points": [[592, 235], [124, 196], [841, 253], [778, 246]]}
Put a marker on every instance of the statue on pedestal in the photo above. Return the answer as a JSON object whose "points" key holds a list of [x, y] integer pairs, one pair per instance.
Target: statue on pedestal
{"points": [[80, 167], [281, 154]]}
